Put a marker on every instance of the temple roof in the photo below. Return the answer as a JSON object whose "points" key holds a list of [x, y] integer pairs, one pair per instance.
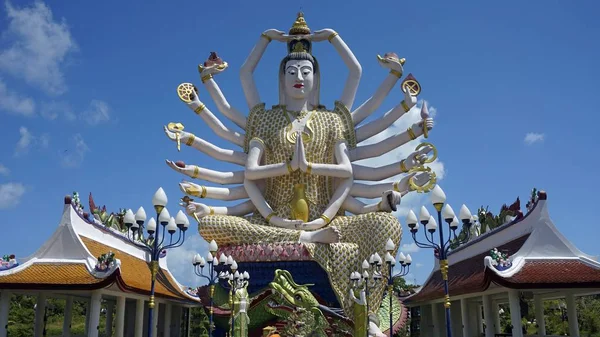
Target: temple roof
{"points": [[69, 260], [540, 257]]}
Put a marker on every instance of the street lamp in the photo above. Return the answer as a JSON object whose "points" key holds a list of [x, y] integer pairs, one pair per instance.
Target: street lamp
{"points": [[438, 198], [405, 262], [217, 269], [235, 281], [152, 244]]}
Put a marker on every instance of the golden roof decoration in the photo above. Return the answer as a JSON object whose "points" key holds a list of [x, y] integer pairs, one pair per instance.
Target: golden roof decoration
{"points": [[299, 27]]}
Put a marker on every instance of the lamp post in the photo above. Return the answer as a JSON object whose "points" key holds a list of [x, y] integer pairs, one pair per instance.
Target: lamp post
{"points": [[438, 198], [216, 270], [367, 281], [235, 281], [405, 262], [154, 243]]}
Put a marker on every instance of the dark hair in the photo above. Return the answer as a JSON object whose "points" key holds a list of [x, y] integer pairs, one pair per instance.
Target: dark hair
{"points": [[300, 57]]}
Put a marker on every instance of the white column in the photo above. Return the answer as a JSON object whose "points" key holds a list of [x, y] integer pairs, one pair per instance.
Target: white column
{"points": [[68, 316], [40, 309], [538, 304], [572, 315], [120, 319], [515, 313], [94, 320], [435, 321], [464, 316], [4, 309], [139, 318], [110, 306], [488, 316], [496, 308], [167, 321], [155, 319]]}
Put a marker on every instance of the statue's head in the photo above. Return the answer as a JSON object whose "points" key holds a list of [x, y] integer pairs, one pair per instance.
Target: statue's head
{"points": [[299, 76]]}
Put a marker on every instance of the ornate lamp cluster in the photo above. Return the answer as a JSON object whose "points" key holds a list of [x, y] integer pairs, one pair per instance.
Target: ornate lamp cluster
{"points": [[441, 249], [154, 242], [223, 269], [366, 281]]}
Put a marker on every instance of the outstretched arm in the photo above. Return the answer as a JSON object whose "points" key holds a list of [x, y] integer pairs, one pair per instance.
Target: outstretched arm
{"points": [[402, 186], [374, 127], [379, 173], [254, 169], [353, 79], [199, 210], [222, 104], [197, 172], [213, 122], [247, 71], [218, 193], [208, 148], [391, 143], [370, 105]]}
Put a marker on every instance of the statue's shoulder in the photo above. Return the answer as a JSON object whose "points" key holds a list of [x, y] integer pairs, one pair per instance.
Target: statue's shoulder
{"points": [[340, 114], [259, 118]]}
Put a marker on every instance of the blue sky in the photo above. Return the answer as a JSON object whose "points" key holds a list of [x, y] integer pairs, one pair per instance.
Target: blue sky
{"points": [[85, 88]]}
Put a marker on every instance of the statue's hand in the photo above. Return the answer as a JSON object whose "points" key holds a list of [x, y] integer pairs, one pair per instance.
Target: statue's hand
{"points": [[201, 210], [315, 224], [302, 162], [428, 124], [173, 132], [418, 157], [389, 200], [420, 178], [179, 166], [285, 223], [391, 64], [321, 35], [276, 35], [409, 99]]}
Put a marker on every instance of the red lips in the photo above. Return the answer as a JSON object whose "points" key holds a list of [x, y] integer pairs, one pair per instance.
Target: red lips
{"points": [[299, 85]]}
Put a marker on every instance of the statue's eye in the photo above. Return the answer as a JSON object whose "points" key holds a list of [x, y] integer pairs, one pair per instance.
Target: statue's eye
{"points": [[298, 297]]}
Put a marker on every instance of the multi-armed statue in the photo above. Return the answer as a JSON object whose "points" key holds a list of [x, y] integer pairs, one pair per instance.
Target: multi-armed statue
{"points": [[298, 160]]}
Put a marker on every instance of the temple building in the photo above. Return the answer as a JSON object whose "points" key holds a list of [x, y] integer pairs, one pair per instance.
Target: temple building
{"points": [[86, 260], [526, 258]]}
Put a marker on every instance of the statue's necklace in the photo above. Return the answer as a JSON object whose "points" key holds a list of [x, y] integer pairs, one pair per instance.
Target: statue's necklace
{"points": [[290, 130]]}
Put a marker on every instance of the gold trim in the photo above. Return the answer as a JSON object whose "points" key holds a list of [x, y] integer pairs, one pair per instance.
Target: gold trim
{"points": [[203, 195], [266, 37], [395, 185], [200, 108], [447, 302], [212, 211], [332, 36], [206, 78], [196, 172], [260, 141], [411, 133], [190, 140], [444, 269], [397, 73], [405, 106], [289, 167], [326, 218], [268, 218], [403, 166], [309, 168]]}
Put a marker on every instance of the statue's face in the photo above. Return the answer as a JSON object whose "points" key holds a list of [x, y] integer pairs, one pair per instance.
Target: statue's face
{"points": [[299, 78]]}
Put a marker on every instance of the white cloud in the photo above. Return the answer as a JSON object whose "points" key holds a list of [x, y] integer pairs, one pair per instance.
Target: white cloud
{"points": [[39, 47], [533, 137], [409, 248], [179, 259], [4, 170], [72, 158], [52, 110], [98, 112], [14, 103], [10, 194], [418, 265], [27, 141]]}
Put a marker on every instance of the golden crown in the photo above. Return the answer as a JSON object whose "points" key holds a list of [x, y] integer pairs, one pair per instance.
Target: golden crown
{"points": [[299, 27]]}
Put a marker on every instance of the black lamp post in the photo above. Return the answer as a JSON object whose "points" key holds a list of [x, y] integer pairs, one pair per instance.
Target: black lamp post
{"points": [[154, 243], [438, 198]]}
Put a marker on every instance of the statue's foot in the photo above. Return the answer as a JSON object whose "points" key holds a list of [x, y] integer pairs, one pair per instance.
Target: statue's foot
{"points": [[325, 235]]}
